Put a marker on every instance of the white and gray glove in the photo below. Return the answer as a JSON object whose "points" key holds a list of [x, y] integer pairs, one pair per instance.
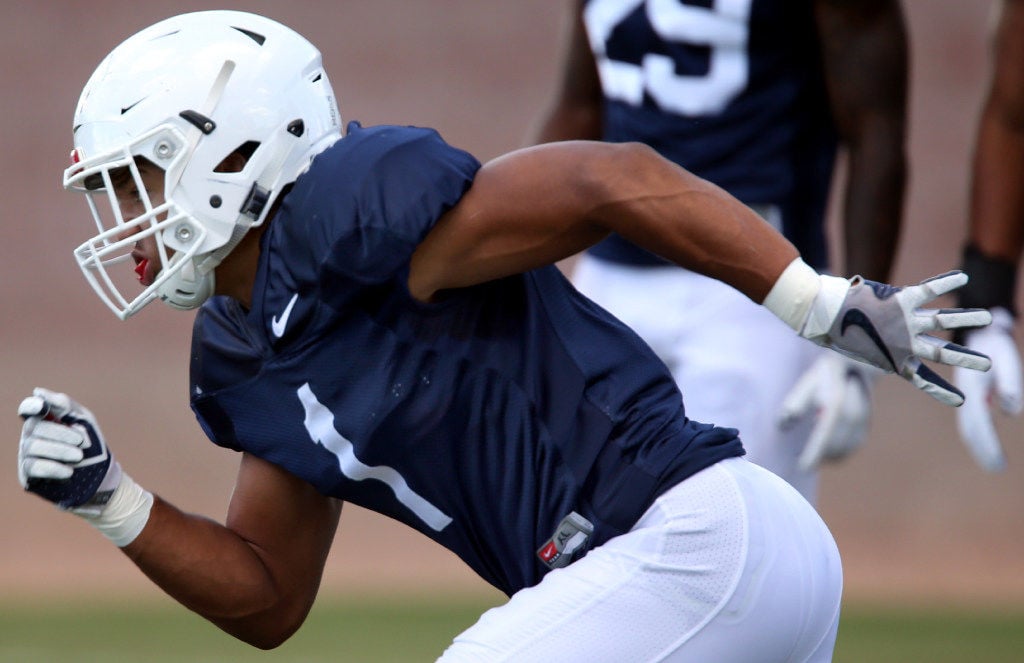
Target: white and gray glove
{"points": [[836, 392], [1002, 386], [881, 324], [64, 459]]}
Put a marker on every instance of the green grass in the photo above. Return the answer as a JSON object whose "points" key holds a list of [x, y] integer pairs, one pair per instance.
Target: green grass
{"points": [[893, 635], [380, 631], [373, 631]]}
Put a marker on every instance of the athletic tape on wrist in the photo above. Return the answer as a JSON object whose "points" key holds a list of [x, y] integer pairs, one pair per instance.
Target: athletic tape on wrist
{"points": [[125, 514], [791, 297], [993, 281]]}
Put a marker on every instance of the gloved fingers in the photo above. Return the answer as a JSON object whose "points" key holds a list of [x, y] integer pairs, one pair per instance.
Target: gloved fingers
{"points": [[1007, 374], [33, 406], [801, 398], [931, 383], [42, 468], [61, 452], [816, 448], [956, 318], [979, 436], [974, 421], [1008, 390], [933, 287], [843, 423], [50, 431], [947, 352], [57, 404]]}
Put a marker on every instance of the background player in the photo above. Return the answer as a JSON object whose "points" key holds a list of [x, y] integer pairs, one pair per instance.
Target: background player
{"points": [[376, 339], [995, 240], [753, 96]]}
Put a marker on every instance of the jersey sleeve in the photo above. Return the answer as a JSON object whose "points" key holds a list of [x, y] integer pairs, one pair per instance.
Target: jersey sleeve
{"points": [[371, 198]]}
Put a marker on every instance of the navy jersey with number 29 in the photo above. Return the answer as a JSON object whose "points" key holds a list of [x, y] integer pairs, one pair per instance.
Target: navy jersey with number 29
{"points": [[482, 419], [733, 91]]}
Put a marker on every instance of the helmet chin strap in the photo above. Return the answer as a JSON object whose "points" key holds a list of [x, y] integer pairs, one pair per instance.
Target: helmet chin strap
{"points": [[189, 290]]}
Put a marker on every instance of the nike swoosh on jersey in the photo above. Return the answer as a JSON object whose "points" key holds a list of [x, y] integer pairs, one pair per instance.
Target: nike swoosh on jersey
{"points": [[857, 318], [278, 325]]}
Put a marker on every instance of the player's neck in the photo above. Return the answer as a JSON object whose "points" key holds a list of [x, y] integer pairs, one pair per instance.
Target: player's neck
{"points": [[236, 274]]}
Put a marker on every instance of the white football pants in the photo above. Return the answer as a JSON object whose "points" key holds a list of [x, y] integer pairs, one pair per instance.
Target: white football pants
{"points": [[730, 566], [733, 359]]}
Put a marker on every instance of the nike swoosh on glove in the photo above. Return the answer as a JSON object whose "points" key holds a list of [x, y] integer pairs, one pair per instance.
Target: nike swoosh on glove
{"points": [[880, 324], [1002, 387]]}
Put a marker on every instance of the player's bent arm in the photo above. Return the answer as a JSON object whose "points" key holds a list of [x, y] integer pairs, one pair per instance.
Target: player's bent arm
{"points": [[865, 61], [539, 205], [255, 577], [542, 204]]}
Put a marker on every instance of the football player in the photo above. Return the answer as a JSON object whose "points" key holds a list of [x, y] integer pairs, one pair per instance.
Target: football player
{"points": [[380, 322], [755, 96]]}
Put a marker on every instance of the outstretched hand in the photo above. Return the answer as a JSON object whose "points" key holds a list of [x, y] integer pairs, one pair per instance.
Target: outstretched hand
{"points": [[881, 325], [886, 327]]}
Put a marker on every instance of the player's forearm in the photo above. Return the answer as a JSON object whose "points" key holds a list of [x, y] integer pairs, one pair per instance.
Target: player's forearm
{"points": [[865, 61], [212, 571], [997, 197], [577, 112], [692, 222], [873, 206]]}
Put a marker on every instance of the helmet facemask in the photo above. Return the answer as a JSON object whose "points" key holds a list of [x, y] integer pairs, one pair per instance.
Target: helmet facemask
{"points": [[181, 280]]}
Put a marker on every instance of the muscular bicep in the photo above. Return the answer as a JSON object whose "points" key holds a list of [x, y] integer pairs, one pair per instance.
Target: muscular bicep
{"points": [[290, 527], [525, 209], [282, 516]]}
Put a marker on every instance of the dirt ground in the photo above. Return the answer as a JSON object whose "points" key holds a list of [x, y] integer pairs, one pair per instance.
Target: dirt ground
{"points": [[914, 518]]}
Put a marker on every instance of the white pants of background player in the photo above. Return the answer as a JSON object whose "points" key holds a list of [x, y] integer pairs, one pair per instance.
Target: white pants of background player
{"points": [[730, 566], [733, 359]]}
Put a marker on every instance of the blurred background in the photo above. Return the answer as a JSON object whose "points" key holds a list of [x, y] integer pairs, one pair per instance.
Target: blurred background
{"points": [[917, 522]]}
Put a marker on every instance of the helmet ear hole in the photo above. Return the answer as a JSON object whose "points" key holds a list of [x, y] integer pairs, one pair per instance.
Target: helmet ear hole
{"points": [[236, 160]]}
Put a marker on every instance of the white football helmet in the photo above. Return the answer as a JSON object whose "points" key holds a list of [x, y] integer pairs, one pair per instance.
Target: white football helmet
{"points": [[185, 94]]}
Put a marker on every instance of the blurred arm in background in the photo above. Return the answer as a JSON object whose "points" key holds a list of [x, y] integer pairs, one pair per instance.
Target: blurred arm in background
{"points": [[995, 239]]}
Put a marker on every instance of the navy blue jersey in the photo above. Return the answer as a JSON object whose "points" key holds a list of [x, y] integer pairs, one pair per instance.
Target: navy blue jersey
{"points": [[733, 92], [481, 420]]}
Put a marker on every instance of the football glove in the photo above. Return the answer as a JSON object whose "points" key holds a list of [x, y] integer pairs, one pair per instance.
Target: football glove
{"points": [[836, 391], [64, 459], [1002, 384], [880, 324]]}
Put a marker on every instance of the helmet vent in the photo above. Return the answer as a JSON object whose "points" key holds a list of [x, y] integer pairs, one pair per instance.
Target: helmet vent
{"points": [[256, 37]]}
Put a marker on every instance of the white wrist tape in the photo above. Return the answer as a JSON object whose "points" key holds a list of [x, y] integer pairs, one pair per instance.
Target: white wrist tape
{"points": [[791, 297], [127, 512], [806, 300]]}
